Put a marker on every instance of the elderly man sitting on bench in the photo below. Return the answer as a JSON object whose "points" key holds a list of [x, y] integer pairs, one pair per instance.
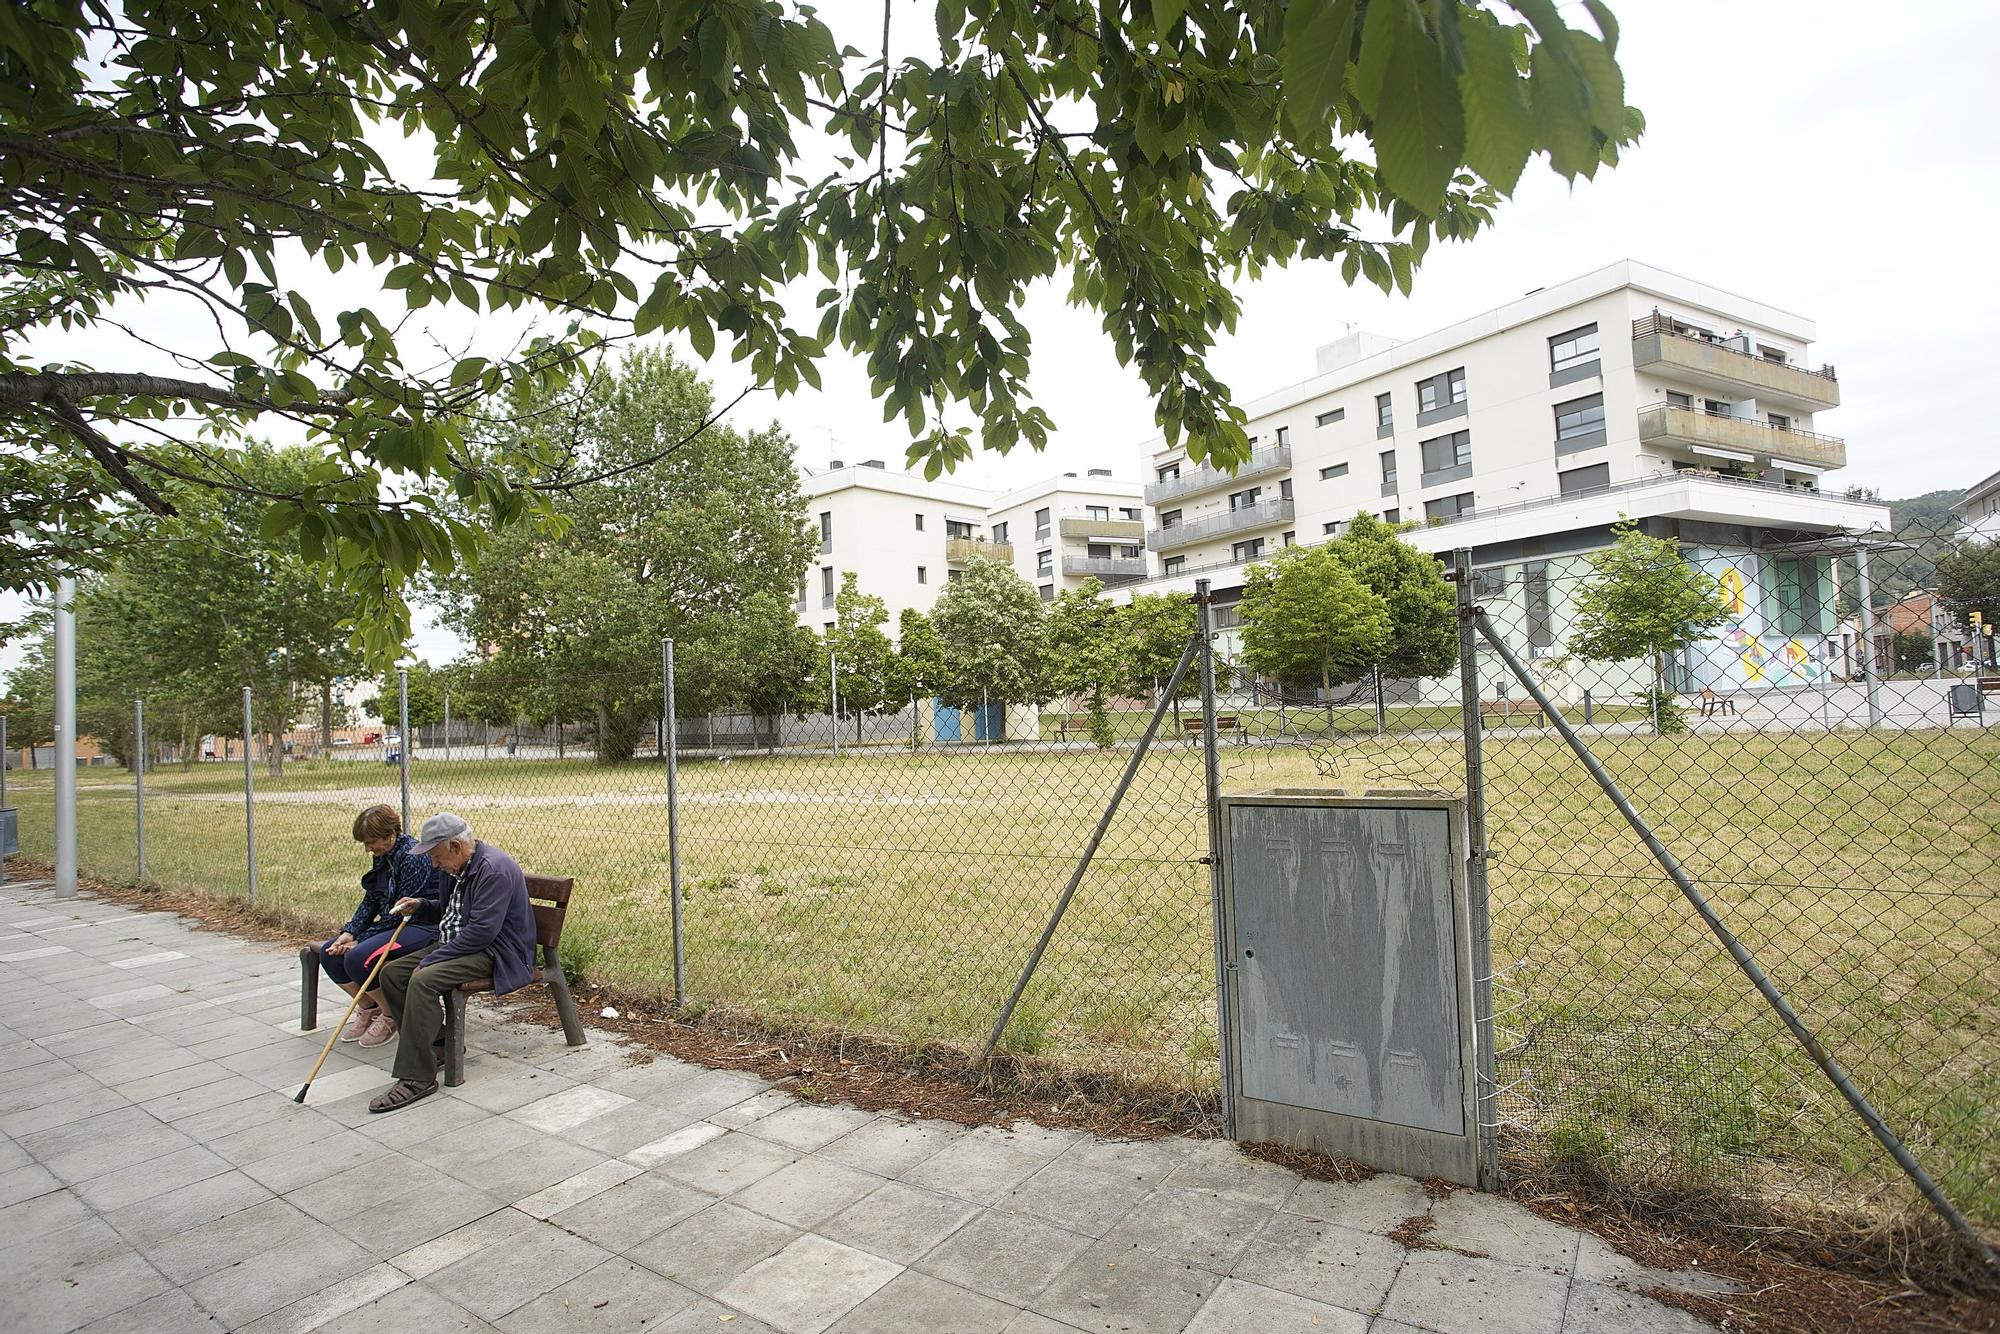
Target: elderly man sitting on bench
{"points": [[486, 929]]}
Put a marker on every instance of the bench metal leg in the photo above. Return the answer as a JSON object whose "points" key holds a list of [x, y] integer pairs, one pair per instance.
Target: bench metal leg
{"points": [[454, 1038], [565, 1005], [309, 988]]}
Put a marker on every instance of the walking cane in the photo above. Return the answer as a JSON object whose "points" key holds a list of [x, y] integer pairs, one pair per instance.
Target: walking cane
{"points": [[381, 957]]}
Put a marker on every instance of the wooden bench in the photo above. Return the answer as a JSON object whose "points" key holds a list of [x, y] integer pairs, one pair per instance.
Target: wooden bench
{"points": [[1503, 709], [1224, 722], [1713, 704], [1989, 685], [1077, 723], [549, 897]]}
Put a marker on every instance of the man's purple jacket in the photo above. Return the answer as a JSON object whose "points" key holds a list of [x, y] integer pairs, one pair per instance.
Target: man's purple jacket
{"points": [[493, 915]]}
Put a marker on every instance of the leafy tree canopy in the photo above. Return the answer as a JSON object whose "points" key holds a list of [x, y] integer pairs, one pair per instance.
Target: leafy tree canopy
{"points": [[1968, 580], [1423, 617], [859, 647], [1308, 621], [992, 631], [292, 180], [1643, 600]]}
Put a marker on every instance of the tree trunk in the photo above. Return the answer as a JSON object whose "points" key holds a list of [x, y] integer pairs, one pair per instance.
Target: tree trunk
{"points": [[603, 711], [326, 720], [274, 742], [1326, 693]]}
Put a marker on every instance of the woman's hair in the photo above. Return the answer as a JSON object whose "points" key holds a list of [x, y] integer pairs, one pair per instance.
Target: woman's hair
{"points": [[377, 821]]}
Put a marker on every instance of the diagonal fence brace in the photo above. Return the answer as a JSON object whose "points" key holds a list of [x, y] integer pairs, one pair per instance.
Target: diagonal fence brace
{"points": [[1090, 849], [1822, 1058]]}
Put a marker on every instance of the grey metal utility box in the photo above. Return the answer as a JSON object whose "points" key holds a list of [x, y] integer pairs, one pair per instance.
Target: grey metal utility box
{"points": [[1348, 991], [10, 831]]}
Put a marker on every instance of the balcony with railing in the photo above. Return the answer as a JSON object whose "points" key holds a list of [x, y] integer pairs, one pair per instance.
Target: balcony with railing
{"points": [[1261, 463], [1697, 429], [1658, 346], [1103, 530], [1267, 514], [1110, 569], [959, 550]]}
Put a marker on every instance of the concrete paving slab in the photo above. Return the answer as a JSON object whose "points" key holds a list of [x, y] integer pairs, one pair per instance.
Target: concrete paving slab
{"points": [[617, 1295], [144, 1180], [330, 1303], [1598, 1262], [806, 1193], [1595, 1309], [25, 1183], [981, 1166], [707, 1093], [1110, 1287], [267, 1277], [411, 1307], [199, 1249], [1006, 1256], [891, 1145], [172, 1312], [166, 1215], [913, 1303], [808, 1285], [1379, 1204], [711, 1249], [396, 1225], [1080, 1197], [85, 1293], [427, 1258], [1222, 1168], [1457, 1294], [726, 1165], [899, 1222], [617, 1133], [509, 1274], [1502, 1230], [1237, 1307], [629, 1213], [560, 1112], [592, 1181], [675, 1143], [809, 1127], [752, 1109], [1309, 1258], [1197, 1227]]}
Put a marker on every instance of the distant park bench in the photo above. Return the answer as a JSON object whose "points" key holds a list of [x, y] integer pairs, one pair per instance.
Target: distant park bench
{"points": [[1075, 724], [1224, 722], [1503, 709]]}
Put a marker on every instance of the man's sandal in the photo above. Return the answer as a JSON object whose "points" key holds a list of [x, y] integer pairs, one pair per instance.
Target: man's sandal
{"points": [[401, 1094]]}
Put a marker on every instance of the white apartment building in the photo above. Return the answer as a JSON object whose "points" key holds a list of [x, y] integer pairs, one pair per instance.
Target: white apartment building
{"points": [[1979, 511], [1525, 432], [905, 537], [1067, 529]]}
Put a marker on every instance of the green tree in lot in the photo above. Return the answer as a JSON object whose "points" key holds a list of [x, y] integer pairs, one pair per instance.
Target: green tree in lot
{"points": [[772, 659], [667, 531], [1968, 580], [1156, 628], [1423, 618], [992, 629], [1914, 650], [1088, 652], [1308, 622], [426, 686], [916, 668], [621, 167], [1643, 602], [860, 650]]}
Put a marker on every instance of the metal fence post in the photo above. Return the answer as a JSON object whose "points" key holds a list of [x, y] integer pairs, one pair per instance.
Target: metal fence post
{"points": [[447, 724], [1869, 675], [139, 784], [5, 759], [403, 737], [1212, 786], [65, 732], [672, 747], [833, 701], [1486, 1066], [249, 798]]}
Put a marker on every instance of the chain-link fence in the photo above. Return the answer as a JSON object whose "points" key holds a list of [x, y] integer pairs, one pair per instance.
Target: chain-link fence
{"points": [[1817, 755]]}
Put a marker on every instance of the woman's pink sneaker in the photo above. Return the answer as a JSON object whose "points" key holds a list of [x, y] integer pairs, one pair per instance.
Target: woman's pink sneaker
{"points": [[357, 1027], [381, 1031]]}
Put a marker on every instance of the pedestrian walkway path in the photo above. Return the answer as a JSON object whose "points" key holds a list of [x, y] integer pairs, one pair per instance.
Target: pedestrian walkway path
{"points": [[156, 1176]]}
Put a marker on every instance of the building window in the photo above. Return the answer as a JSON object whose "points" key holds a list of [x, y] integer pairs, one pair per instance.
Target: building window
{"points": [[958, 528], [826, 585], [1244, 499], [1102, 513], [1676, 399], [1332, 471], [1389, 469], [1000, 532], [1048, 592], [1249, 550], [1330, 528], [1776, 354], [802, 593], [1449, 507], [1579, 417], [1288, 539], [1330, 416], [1535, 594], [1168, 471], [1041, 524], [1392, 516], [1098, 550], [923, 575], [1490, 582], [1779, 420], [1169, 519], [953, 576], [825, 531], [1045, 563], [1285, 488], [1574, 480], [1130, 513], [1573, 349], [1174, 564], [1129, 552], [1716, 407], [1284, 435], [920, 523], [1446, 452], [1441, 391], [1385, 421]]}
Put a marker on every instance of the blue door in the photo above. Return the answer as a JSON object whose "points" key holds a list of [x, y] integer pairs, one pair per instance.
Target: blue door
{"points": [[989, 721], [946, 724]]}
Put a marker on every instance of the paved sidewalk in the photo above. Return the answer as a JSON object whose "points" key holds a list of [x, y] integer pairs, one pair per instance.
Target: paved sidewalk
{"points": [[156, 1176]]}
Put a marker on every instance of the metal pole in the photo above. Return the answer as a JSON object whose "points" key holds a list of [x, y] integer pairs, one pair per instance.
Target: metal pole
{"points": [[1748, 963], [1212, 781], [1871, 679], [6, 758], [985, 722], [249, 798], [403, 736], [1485, 1059], [1381, 706], [139, 782], [671, 726], [65, 730], [447, 725], [1089, 851], [833, 701]]}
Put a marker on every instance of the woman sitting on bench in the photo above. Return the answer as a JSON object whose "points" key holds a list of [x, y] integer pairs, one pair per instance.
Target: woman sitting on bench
{"points": [[398, 871]]}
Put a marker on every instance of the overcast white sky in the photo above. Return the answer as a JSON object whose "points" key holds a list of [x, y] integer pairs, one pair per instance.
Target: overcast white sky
{"points": [[1835, 158]]}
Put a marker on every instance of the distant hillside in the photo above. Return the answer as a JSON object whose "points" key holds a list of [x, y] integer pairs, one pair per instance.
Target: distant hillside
{"points": [[1928, 525]]}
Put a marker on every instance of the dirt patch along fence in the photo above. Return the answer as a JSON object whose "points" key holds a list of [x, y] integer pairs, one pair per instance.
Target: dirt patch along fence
{"points": [[1846, 829]]}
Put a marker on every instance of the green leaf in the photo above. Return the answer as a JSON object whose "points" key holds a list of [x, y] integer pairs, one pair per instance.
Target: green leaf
{"points": [[1499, 127], [1318, 37], [1419, 129]]}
